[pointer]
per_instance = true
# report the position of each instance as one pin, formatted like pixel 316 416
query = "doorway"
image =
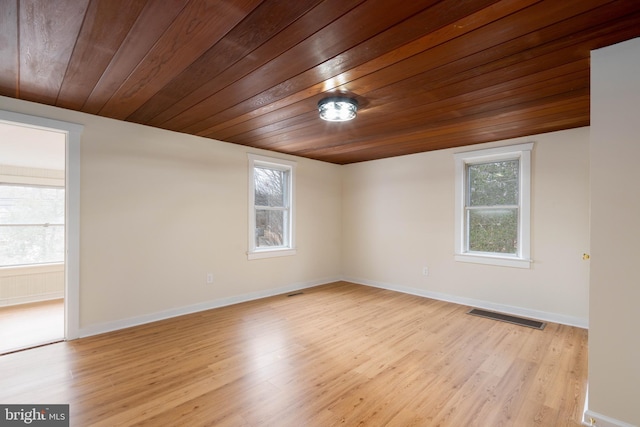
pixel 39 168
pixel 32 252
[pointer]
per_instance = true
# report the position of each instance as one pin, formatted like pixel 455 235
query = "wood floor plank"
pixel 335 355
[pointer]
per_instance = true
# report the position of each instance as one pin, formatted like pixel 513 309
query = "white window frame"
pixel 289 247
pixel 522 257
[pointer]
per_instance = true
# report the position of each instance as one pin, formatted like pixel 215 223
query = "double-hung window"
pixel 492 206
pixel 271 214
pixel 31 225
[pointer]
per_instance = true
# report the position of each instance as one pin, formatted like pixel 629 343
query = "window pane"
pixel 31 205
pixel 495 183
pixel 270 228
pixel 493 230
pixel 20 245
pixel 270 187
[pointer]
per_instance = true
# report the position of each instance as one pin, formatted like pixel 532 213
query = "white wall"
pixel 398 216
pixel 614 336
pixel 160 210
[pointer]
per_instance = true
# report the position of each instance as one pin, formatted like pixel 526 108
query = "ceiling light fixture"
pixel 337 109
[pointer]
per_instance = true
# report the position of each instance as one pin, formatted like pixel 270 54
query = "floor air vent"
pixel 507 318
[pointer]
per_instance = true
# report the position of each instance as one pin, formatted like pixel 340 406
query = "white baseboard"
pixel 594 419
pixel 487 305
pixel 6 302
pixel 180 311
pixel 222 302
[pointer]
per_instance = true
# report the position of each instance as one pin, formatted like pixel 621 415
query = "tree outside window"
pixel 493 207
pixel 271 206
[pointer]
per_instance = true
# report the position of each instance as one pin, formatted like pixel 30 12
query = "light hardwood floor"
pixel 337 355
pixel 29 325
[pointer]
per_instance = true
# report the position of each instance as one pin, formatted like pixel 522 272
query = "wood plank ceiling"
pixel 427 74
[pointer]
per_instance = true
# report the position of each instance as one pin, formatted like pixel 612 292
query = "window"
pixel 492 206
pixel 31 225
pixel 271 219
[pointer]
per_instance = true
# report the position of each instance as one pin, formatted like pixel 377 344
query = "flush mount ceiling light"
pixel 337 109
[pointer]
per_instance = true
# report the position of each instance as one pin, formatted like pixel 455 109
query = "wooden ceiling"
pixel 427 74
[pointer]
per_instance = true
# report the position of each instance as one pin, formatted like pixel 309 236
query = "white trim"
pixel 471 302
pixel 72 268
pixel 73 134
pixel 594 419
pixel 223 302
pixel 27 269
pixel 490 154
pixel 280 164
pixel 7 302
pixel 494 260
pixel 276 163
pixel 195 308
pixel 521 152
pixel 270 253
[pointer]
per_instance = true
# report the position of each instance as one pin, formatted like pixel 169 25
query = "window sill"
pixel 494 260
pixel 271 253
pixel 28 269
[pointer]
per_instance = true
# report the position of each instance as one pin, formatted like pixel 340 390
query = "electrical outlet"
pixel 209 278
pixel 425 271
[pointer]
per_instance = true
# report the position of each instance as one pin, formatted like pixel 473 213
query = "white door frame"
pixel 72 133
